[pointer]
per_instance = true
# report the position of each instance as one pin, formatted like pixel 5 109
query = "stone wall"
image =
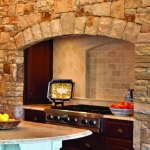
pixel 27 22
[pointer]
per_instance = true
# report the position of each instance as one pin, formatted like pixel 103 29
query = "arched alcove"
pixel 25 23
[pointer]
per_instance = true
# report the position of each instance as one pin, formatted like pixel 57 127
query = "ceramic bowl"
pixel 121 112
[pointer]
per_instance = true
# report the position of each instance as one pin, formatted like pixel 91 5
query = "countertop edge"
pixel 26 126
pixel 50 139
pixel 127 118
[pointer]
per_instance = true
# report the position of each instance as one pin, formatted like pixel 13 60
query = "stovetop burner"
pixel 85 108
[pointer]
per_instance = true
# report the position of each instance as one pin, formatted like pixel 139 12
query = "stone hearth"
pixel 27 22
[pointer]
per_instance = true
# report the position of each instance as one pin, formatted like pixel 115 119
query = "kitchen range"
pixel 83 116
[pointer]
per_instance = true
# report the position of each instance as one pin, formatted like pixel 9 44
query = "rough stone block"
pixel 133 3
pixel 142 108
pixel 136 134
pixel 145 3
pixel 5 37
pixel 22 23
pixel 142 59
pixel 67 23
pixel 79 25
pixel 11 10
pixel 19 40
pixel 20 9
pixel 142 65
pixel 141 82
pixel 117 9
pixel 101 9
pixel 142 18
pixel 104 24
pixel 36 32
pixel 56 29
pixel 143 38
pixel 142 49
pixel 91 25
pixel 116 28
pixel 28 36
pixel 62 6
pixel 131 28
pixel 46 29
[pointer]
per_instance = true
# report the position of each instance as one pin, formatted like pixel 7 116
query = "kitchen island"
pixel 30 135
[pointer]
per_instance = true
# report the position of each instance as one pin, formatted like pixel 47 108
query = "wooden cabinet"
pixel 118 134
pixel 34 115
pixel 92 142
pixel 38 71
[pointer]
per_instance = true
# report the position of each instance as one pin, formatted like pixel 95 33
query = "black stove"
pixel 83 116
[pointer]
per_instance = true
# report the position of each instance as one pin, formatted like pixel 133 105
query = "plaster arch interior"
pixel 102 67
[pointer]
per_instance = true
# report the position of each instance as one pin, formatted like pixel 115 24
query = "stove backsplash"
pixel 101 67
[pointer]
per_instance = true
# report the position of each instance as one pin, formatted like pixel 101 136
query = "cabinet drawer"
pixel 34 115
pixel 117 144
pixel 119 129
pixel 86 143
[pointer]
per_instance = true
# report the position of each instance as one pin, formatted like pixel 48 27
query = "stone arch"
pixel 25 23
pixel 86 25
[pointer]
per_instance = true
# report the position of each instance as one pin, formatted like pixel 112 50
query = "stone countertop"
pixel 43 106
pixel 127 118
pixel 40 107
pixel 31 132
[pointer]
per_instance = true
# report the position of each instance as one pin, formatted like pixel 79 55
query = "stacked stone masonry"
pixel 26 22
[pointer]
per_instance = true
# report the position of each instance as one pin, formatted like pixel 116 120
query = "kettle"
pixel 129 96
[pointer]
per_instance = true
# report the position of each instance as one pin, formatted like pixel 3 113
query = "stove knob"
pixel 92 122
pixel 74 120
pixel 66 119
pixel 84 121
pixel 50 117
pixel 57 118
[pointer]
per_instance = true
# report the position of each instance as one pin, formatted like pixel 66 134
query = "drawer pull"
pixel 120 131
pixel 34 119
pixel 87 145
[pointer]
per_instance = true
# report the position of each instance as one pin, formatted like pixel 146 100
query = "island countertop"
pixel 31 132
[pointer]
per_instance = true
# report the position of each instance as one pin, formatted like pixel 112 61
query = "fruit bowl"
pixel 121 112
pixel 10 124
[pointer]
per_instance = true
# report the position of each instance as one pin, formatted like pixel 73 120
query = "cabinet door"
pixel 118 144
pixel 120 129
pixel 38 72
